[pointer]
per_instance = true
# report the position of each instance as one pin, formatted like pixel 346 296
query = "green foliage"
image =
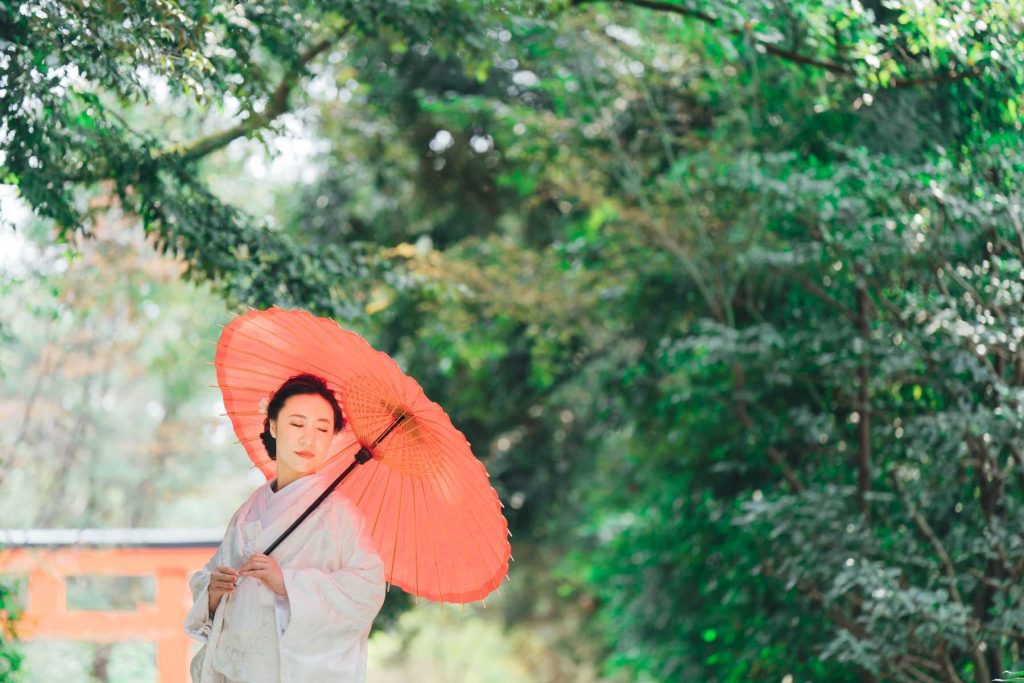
pixel 73 75
pixel 10 656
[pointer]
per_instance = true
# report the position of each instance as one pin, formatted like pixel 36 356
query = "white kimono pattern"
pixel 335 587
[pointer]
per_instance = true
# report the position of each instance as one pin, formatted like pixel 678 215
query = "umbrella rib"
pixel 331 459
pixel 328 343
pixel 373 477
pixel 274 333
pixel 290 355
pixel 456 568
pixel 311 327
pixel 258 356
pixel 415 545
pixel 464 464
pixel 433 546
pixel 398 523
pixel 499 552
pixel 256 324
pixel 441 473
pixel 462 580
pixel 383 498
pixel 467 465
pixel 387 432
pixel 233 387
pixel 376 519
pixel 219 366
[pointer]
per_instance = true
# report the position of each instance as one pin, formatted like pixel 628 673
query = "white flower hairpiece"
pixel 264 402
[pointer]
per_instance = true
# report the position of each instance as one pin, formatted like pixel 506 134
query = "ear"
pixel 273 428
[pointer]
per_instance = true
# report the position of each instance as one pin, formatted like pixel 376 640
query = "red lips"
pixel 304 454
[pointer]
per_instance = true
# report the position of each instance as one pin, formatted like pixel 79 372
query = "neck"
pixel 286 475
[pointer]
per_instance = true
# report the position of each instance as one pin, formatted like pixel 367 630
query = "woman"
pixel 305 613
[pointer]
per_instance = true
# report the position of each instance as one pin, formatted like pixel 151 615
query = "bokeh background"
pixel 726 296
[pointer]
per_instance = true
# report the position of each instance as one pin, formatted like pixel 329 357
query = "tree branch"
pixel 949 669
pixel 817 291
pixel 739 384
pixel 815 595
pixel 840 68
pixel 277 105
pixel 926 530
pixel 197 149
pixel 977 656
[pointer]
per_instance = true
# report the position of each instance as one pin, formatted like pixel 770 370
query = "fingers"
pixel 258 572
pixel 261 570
pixel 260 566
pixel 258 562
pixel 222 587
pixel 223 579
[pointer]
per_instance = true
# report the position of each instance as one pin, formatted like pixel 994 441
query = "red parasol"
pixel 429 507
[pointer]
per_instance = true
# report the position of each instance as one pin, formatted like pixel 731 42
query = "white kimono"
pixel 334 582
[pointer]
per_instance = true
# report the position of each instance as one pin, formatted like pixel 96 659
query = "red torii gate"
pixel 48 557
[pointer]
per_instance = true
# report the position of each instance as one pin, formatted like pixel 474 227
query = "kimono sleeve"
pixel 343 600
pixel 198 623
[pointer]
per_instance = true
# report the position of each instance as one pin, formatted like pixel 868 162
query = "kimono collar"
pixel 277 510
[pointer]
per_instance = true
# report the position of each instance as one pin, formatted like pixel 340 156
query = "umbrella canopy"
pixel 431 512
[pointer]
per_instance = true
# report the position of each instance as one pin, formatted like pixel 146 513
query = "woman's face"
pixel 303 431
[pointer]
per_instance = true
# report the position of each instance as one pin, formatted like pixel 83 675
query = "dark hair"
pixel 296 386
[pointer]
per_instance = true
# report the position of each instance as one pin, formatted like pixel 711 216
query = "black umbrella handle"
pixel 361 457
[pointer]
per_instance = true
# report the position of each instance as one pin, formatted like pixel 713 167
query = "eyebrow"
pixel 322 419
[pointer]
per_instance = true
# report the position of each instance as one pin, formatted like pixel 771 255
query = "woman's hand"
pixel 266 569
pixel 222 582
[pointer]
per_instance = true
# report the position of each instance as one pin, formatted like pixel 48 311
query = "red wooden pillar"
pixel 48 565
pixel 173 598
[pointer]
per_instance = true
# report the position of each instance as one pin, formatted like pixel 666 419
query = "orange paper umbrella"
pixel 431 512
